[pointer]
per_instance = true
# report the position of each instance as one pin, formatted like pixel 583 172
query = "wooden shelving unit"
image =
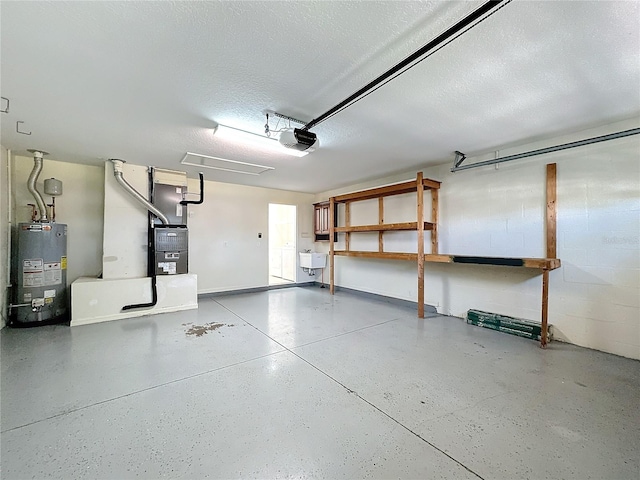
pixel 419 186
pixel 385 227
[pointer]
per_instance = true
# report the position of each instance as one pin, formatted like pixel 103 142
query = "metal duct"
pixel 33 178
pixel 117 172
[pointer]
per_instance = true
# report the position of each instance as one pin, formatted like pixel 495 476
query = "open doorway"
pixel 282 244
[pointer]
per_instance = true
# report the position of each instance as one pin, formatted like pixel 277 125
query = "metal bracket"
pixel 6 110
pixel 267 129
pixel 287 117
pixel 460 157
pixel 18 128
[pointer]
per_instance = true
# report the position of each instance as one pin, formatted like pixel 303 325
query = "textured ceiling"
pixel 146 81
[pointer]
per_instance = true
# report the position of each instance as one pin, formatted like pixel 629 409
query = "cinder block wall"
pixel 594 297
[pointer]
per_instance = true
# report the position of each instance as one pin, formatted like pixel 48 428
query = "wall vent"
pixel 226 165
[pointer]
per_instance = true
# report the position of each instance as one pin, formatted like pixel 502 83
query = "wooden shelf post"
pixel 347 223
pixel 380 222
pixel 551 241
pixel 434 220
pixel 545 308
pixel 551 210
pixel 420 214
pixel 332 205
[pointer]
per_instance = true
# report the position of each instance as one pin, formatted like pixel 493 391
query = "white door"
pixel 282 242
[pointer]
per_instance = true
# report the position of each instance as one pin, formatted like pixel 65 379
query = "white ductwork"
pixel 33 178
pixel 117 172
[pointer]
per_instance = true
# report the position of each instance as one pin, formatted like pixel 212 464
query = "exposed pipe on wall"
pixel 201 199
pixel 154 297
pixel 6 297
pixel 460 157
pixel 33 178
pixel 117 172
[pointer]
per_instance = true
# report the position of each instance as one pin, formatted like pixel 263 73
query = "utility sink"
pixel 313 260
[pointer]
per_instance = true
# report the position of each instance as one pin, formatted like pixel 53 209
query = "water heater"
pixel 39 274
pixel 39 260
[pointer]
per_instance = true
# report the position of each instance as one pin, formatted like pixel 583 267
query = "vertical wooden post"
pixel 347 223
pixel 551 240
pixel 434 220
pixel 420 215
pixel 332 205
pixel 545 307
pixel 380 222
pixel 551 211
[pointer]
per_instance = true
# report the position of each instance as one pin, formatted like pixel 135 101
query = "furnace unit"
pixel 172 250
pixel 170 240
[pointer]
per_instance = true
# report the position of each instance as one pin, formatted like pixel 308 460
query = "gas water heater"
pixel 39 260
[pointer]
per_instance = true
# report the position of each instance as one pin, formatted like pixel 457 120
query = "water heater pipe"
pixel 9 199
pixel 117 172
pixel 33 178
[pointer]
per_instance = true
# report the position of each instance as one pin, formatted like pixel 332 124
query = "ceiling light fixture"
pixel 223 164
pixel 253 139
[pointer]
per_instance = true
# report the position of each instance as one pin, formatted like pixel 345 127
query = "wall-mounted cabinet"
pixel 321 226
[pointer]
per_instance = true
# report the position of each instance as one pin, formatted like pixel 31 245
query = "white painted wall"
pixel 80 207
pixel 224 249
pixel 125 225
pixel 4 233
pixel 594 298
pixel 96 300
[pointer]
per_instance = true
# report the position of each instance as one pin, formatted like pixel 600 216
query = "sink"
pixel 313 260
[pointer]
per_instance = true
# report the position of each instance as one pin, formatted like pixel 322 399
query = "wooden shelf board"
pixel 539 263
pixel 395 189
pixel 428 183
pixel 386 255
pixel 384 227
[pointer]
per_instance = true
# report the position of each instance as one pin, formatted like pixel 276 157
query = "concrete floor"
pixel 278 281
pixel 296 383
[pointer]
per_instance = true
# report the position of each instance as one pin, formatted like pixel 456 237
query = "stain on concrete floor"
pixel 199 330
